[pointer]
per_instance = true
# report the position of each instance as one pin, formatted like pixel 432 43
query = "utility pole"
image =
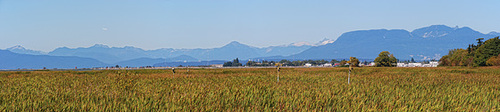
pixel 349 77
pixel 278 70
pixel 173 71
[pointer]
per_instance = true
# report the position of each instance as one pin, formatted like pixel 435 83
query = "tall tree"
pixel 235 62
pixel 480 41
pixel 490 48
pixel 385 59
pixel 353 61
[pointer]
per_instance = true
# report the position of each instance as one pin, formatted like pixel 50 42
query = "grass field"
pixel 299 89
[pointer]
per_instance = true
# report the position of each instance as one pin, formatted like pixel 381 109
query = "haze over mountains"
pixel 425 43
pixel 232 50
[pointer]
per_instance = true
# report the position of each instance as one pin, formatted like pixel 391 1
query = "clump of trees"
pixel 385 59
pixel 235 63
pixel 483 54
pixel 457 57
pixel 285 62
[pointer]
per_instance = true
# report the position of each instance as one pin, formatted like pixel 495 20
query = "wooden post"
pixel 173 71
pixel 351 59
pixel 349 77
pixel 278 71
pixel 278 74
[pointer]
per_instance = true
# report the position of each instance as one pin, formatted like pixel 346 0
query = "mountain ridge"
pixel 424 43
pixel 11 60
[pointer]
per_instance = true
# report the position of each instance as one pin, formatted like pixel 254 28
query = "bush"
pixel 493 61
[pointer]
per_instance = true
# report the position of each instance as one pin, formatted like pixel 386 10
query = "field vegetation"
pixel 256 89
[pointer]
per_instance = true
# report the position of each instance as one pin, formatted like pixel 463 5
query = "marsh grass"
pixel 256 89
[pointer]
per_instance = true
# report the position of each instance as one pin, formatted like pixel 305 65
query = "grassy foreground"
pixel 306 89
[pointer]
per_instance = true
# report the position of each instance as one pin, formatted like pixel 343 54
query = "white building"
pixel 308 65
pixel 434 63
pixel 414 64
pixel 431 64
pixel 327 65
pixel 402 65
pixel 371 64
pixel 217 65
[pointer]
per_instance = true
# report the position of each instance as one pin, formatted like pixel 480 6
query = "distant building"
pixel 371 64
pixel 414 64
pixel 327 65
pixel 308 65
pixel 402 65
pixel 434 63
pixel 431 64
pixel 217 65
pixel 367 64
pixel 336 64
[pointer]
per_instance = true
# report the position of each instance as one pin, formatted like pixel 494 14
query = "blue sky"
pixel 152 24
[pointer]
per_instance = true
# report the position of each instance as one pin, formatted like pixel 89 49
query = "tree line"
pixel 283 62
pixel 385 59
pixel 485 53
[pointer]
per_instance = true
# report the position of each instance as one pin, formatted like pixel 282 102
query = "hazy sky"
pixel 152 24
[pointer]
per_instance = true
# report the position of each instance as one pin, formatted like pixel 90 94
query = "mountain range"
pixel 422 44
pixel 11 60
pixel 232 50
pixel 425 43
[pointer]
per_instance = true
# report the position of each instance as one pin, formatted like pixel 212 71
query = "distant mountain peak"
pixel 99 46
pixel 433 31
pixel 298 44
pixel 440 27
pixel 17 47
pixel 494 33
pixel 235 44
pixel 21 50
pixel 324 42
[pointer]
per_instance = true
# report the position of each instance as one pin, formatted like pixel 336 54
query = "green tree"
pixel 285 62
pixel 251 63
pixel 444 61
pixel 354 62
pixel 343 62
pixel 385 59
pixel 334 61
pixel 228 64
pixel 457 57
pixel 235 62
pixel 488 49
pixel 493 61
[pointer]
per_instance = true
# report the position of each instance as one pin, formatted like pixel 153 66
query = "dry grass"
pixel 256 89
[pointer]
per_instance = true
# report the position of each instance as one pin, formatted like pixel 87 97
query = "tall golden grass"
pixel 255 89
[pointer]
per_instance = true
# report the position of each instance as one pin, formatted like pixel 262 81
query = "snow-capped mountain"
pixel 21 50
pixel 301 44
pixel 322 42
